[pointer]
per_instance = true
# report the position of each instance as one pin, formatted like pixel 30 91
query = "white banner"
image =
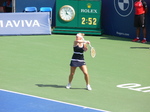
pixel 33 23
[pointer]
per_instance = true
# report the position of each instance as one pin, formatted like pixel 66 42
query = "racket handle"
pixel 90 45
pixel 85 41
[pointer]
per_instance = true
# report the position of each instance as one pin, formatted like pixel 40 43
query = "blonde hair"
pixel 80 35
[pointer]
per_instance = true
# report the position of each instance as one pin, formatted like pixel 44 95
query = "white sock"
pixel 88 85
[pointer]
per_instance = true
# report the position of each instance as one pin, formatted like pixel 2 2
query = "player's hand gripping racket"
pixel 93 51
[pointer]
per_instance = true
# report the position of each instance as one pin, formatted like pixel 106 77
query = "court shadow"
pixel 50 85
pixel 55 86
pixel 78 88
pixel 139 47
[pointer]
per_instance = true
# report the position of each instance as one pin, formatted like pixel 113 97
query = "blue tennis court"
pixel 18 102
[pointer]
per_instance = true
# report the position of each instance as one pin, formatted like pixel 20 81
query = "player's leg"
pixel 86 76
pixel 85 72
pixel 72 72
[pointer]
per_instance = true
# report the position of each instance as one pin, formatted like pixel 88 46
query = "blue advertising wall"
pixel 117 15
pixel 118 18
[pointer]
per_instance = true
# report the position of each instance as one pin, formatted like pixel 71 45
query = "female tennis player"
pixel 78 60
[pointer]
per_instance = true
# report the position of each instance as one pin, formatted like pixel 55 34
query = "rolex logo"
pixel 89 5
pixel 89 10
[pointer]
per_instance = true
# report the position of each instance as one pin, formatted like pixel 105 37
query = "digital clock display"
pixel 91 21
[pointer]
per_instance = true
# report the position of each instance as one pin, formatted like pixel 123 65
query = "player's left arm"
pixel 85 47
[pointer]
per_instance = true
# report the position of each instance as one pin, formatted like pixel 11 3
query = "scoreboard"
pixel 73 16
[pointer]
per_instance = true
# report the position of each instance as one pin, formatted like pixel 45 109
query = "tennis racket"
pixel 93 51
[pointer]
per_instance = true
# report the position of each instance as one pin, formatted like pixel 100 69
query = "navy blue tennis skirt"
pixel 77 63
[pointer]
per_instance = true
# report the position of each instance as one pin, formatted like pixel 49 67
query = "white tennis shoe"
pixel 68 86
pixel 88 87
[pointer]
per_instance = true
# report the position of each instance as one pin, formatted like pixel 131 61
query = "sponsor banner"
pixel 25 23
pixel 118 18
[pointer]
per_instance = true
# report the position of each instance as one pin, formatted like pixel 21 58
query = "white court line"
pixel 53 100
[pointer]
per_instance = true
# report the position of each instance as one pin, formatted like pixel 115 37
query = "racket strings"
pixel 93 52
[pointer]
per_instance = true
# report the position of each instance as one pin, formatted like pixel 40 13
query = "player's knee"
pixel 71 74
pixel 85 73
